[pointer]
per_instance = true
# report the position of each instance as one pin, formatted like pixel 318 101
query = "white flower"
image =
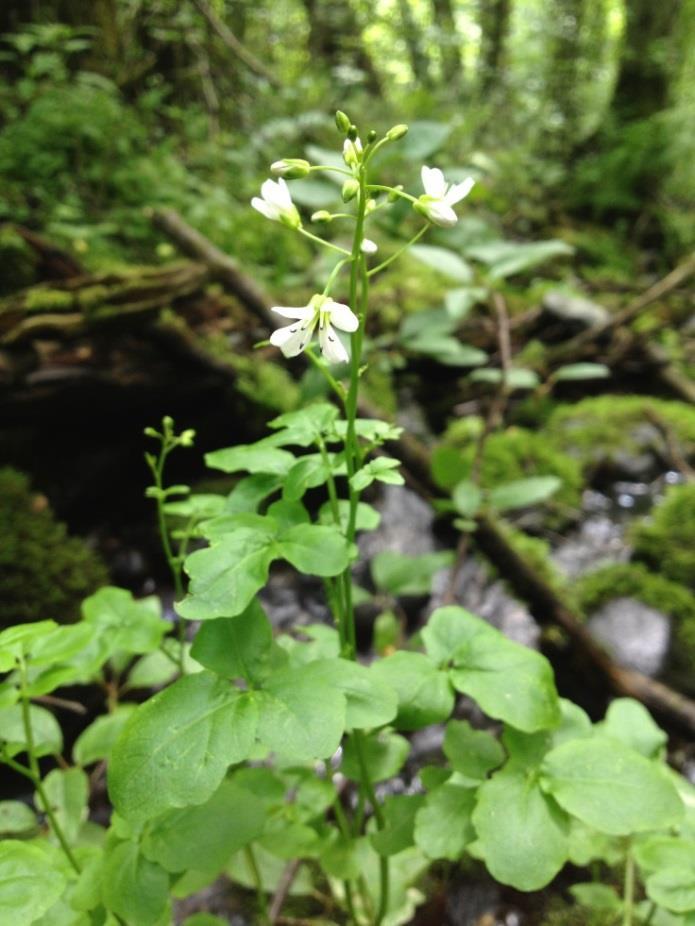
pixel 439 198
pixel 352 152
pixel 293 339
pixel 369 247
pixel 277 204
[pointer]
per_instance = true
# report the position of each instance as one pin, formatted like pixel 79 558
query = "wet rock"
pixel 575 312
pixel 406 525
pixel 599 541
pixel 291 599
pixel 473 903
pixel 636 635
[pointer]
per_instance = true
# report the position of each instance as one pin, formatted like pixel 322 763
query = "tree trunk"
pixel 449 40
pixel 335 37
pixel 494 18
pixel 563 71
pixel 419 61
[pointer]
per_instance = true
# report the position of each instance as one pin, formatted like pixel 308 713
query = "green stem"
pixel 390 260
pixel 326 244
pixel 629 888
pixel 335 170
pixel 368 787
pixel 334 273
pixel 257 880
pixel 325 372
pixel 36 771
pixel 389 189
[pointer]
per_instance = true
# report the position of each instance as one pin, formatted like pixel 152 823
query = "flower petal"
pixel 459 191
pixel 262 206
pixel 369 246
pixel 331 346
pixel 440 213
pixel 288 311
pixel 341 315
pixel 284 197
pixel 433 181
pixel 292 339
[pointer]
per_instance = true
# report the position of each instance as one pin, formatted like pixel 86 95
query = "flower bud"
pixel 398 131
pixel 342 122
pixel 352 132
pixel 187 437
pixel 371 136
pixel 291 168
pixel 150 432
pixel 323 215
pixel 368 246
pixel 370 206
pixel 352 152
pixel 350 189
pixel 393 196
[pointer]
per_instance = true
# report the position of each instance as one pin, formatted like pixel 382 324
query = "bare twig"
pixel 63 703
pixel 233 44
pixel 284 884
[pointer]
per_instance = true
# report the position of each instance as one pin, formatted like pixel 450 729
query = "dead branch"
pixel 233 44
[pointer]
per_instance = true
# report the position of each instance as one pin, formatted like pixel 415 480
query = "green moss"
pixel 265 383
pixel 517 454
pixel 634 580
pixel 44 573
pixel 666 540
pixel 560 913
pixel 17 261
pixel 536 552
pixel 49 300
pixel 599 429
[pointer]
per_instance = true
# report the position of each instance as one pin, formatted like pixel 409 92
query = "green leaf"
pixel 459 302
pixel 611 787
pixel 399 574
pixel 176 748
pixel 250 491
pixel 597 897
pixel 510 682
pixel 425 695
pixel 506 258
pixel 315 550
pixel 383 469
pixel 19 641
pixel 522 834
pixel 308 472
pixel 226 576
pixel 96 742
pixel 129 625
pixel 630 722
pixel 132 887
pixel 384 755
pixel 236 647
pixel 657 853
pixel 29 884
pixel 524 492
pixel 153 670
pixel 443 827
pixel 261 457
pixel 197 507
pixel 367 519
pixel 48 739
pixel 450 627
pixel 17 819
pixel 467 498
pixel 399 814
pixel 674 888
pixel 205 837
pixel 448 350
pixel 314 194
pixel 370 701
pixel 299 714
pixel 67 791
pixel 472 753
pixel 444 261
pixel 580 371
pixel 305 426
pixel 425 136
pixel 516 378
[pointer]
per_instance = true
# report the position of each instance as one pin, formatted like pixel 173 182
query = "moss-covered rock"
pixel 634 580
pixel 610 428
pixel 666 539
pixel 560 913
pixel 17 261
pixel 536 552
pixel 44 573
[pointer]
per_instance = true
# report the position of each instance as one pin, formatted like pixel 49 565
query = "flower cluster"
pixel 275 203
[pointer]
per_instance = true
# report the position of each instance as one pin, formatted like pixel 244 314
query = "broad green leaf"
pixel 130 625
pixel 153 670
pixel 17 819
pixel 467 498
pixel 236 647
pixel 384 754
pixel 19 640
pixel 48 739
pixel 580 371
pixel 367 519
pixel 522 833
pixel 444 261
pixel 196 507
pixel 516 378
pixel 509 681
pixel 176 748
pixel 261 457
pixel 399 814
pixel 271 869
pixel 674 888
pixel 574 723
pixel 472 753
pixel 305 426
pixel 29 884
pixel 339 855
pixel 205 837
pixel 611 787
pixel 96 742
pixel 450 627
pixel 597 896
pixel 308 472
pixel 425 136
pixel 448 350
pixel 417 325
pixel 315 550
pixel 524 492
pixel 314 194
pixel 443 827
pixel 658 853
pixel 399 574
pixel 448 467
pixel 370 701
pixel 323 643
pixel 373 430
pixel 382 469
pixel 459 302
pixel 67 791
pixel 425 695
pixel 250 491
pixel 226 576
pixel 132 887
pixel 630 722
pixel 506 258
pixel 299 714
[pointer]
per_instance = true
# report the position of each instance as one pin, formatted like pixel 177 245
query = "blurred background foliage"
pixel 573 114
